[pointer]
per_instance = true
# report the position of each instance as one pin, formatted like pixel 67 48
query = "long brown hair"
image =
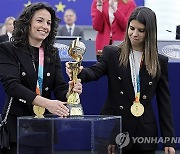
pixel 147 17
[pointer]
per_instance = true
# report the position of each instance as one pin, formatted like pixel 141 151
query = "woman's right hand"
pixel 58 108
pixel 53 106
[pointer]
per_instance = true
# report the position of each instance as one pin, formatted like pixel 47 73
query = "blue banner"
pixel 81 7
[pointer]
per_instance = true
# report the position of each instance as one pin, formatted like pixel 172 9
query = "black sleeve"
pixel 164 104
pixel 94 72
pixel 10 74
pixel 60 86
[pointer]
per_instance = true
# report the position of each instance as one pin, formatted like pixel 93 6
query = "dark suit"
pixel 178 32
pixel 19 79
pixel 121 96
pixel 77 32
pixel 4 38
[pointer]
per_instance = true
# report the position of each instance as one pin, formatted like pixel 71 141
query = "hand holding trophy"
pixel 76 51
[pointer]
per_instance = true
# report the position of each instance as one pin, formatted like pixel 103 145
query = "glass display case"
pixel 72 135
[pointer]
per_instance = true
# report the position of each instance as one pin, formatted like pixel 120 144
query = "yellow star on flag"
pixel 27 4
pixel 60 7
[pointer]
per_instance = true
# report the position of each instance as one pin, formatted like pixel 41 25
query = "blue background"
pixel 81 7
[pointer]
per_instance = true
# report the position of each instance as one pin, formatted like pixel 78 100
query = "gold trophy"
pixel 76 51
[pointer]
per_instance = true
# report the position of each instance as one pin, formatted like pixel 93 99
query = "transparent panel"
pixel 77 134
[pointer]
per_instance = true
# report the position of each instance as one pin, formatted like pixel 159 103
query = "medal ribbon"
pixel 40 72
pixel 135 78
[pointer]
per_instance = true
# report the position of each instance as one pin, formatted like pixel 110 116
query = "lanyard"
pixel 40 72
pixel 135 77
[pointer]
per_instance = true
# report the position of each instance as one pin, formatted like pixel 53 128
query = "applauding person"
pixel 109 19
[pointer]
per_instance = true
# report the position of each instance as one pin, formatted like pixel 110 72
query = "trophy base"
pixel 75 109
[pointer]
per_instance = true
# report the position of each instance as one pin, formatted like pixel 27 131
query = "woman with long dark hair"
pixel 136 73
pixel 30 69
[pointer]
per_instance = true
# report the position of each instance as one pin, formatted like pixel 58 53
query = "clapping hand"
pixel 112 4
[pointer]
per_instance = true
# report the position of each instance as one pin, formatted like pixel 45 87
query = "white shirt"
pixel 72 28
pixel 9 35
pixel 137 60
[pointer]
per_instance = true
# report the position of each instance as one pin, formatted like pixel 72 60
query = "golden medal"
pixel 39 111
pixel 137 109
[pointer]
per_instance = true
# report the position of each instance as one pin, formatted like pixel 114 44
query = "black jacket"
pixel 4 38
pixel 121 96
pixel 19 79
pixel 77 32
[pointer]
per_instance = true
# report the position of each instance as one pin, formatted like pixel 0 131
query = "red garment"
pixel 101 23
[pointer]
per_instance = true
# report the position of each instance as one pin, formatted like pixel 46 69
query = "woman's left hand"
pixel 77 87
pixel 169 150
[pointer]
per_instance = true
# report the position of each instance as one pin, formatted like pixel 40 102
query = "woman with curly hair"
pixel 30 69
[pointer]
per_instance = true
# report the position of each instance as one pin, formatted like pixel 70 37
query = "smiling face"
pixel 40 27
pixel 136 34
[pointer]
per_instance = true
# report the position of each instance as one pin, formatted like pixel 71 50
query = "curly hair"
pixel 22 23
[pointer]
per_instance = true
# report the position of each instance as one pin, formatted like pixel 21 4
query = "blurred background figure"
pixel 70 29
pixel 178 32
pixel 3 30
pixel 7 28
pixel 109 19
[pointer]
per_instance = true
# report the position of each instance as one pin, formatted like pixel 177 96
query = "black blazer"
pixel 19 79
pixel 178 32
pixel 4 38
pixel 77 32
pixel 121 96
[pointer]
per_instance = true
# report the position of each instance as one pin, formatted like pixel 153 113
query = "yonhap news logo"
pixel 123 139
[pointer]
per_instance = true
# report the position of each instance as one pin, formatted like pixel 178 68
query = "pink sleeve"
pixel 122 17
pixel 97 17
